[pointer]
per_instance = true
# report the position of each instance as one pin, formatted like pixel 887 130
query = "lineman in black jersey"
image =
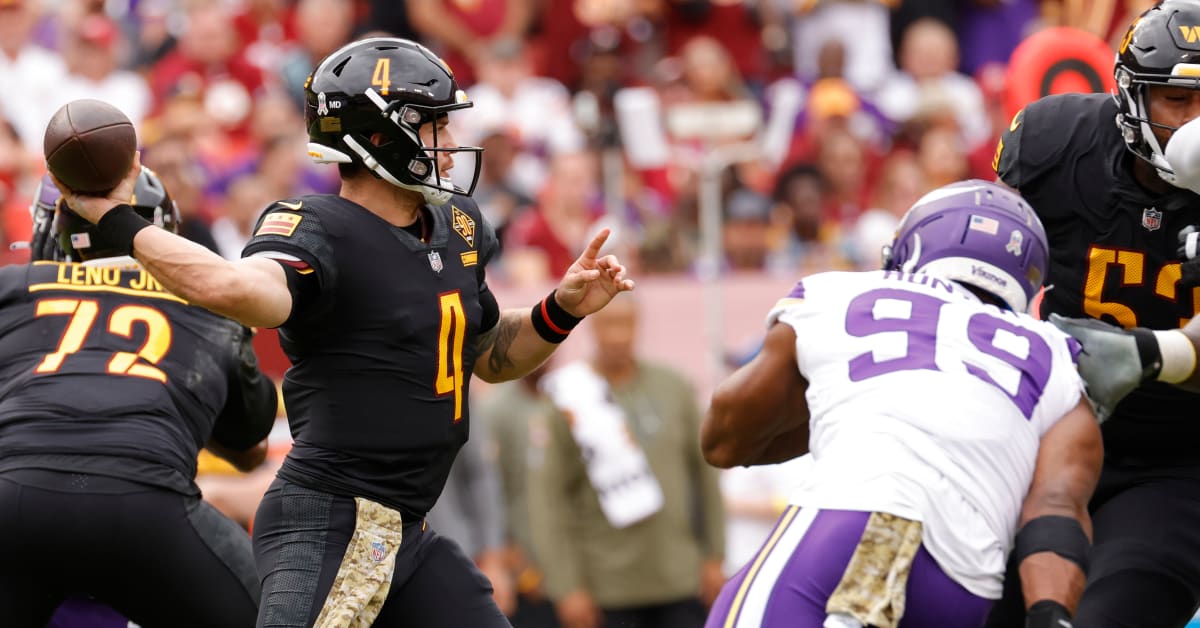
pixel 1105 193
pixel 109 386
pixel 380 297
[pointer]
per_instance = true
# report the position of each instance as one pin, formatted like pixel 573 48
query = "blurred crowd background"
pixel 733 145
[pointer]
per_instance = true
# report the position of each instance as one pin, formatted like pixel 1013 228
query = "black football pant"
pixel 317 552
pixel 158 557
pixel 1145 562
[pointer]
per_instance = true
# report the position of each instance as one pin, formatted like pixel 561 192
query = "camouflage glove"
pixel 1114 361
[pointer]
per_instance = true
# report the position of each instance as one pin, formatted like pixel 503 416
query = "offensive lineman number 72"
pixel 83 314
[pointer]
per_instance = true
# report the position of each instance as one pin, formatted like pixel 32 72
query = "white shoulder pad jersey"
pixel 928 404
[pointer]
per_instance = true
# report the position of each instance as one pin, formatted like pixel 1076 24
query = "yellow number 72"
pixel 83 314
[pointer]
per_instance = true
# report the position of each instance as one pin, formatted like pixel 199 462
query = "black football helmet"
pixel 79 240
pixel 390 86
pixel 1161 47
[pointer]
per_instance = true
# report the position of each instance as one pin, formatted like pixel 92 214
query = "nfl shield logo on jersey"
pixel 435 261
pixel 378 551
pixel 1151 219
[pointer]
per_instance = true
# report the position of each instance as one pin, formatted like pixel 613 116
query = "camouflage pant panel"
pixel 873 585
pixel 365 575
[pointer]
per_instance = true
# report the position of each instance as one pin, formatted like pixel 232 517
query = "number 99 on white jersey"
pixel 927 403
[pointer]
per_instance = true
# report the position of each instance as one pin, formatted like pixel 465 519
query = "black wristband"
pixel 1148 351
pixel 1054 533
pixel 1047 614
pixel 118 226
pixel 551 321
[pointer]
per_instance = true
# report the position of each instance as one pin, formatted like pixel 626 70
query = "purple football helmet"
pixel 977 233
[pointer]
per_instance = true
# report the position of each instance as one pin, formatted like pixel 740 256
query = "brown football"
pixel 89 146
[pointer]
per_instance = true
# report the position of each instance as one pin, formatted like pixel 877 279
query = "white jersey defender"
pixel 991 383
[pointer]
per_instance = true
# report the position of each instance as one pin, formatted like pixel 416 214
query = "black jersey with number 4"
pixel 382 338
pixel 104 372
pixel 1112 251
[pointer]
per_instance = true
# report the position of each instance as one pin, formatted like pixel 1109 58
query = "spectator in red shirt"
pixel 544 242
pixel 209 62
pixel 265 29
pixel 464 29
pixel 733 23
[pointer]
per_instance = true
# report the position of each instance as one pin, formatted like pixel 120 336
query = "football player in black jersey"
pixel 1094 167
pixel 380 296
pixel 109 386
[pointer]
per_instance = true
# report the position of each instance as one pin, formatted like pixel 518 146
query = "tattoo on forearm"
pixel 500 339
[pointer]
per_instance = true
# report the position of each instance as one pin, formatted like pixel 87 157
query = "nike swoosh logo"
pixel 292 206
pixel 1016 122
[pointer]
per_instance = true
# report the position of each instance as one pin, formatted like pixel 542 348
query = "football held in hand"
pixel 89 146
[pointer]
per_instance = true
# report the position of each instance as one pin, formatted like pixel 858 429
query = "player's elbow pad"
pixel 1052 533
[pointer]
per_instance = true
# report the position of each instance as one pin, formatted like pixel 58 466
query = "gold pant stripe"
pixel 365 574
pixel 738 599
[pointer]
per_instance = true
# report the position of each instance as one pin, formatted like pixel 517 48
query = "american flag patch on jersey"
pixel 279 223
pixel 983 223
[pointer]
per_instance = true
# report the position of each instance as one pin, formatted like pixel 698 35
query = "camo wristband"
pixel 551 321
pixel 119 225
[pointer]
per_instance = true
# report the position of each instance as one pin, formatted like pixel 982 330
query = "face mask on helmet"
pixel 1162 47
pixel 43 245
pixel 80 240
pixel 976 233
pixel 387 88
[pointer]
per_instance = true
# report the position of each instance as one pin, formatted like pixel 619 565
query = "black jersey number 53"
pixel 1133 273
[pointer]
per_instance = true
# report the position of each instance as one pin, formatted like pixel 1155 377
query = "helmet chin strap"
pixel 1157 159
pixel 433 195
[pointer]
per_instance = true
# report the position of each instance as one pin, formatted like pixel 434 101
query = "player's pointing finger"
pixel 593 248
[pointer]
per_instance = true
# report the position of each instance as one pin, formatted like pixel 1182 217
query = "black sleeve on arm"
pixel 1006 161
pixel 251 404
pixel 491 309
pixel 1046 132
pixel 292 234
pixel 489 245
pixel 306 292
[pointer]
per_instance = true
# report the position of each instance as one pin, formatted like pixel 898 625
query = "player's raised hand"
pixel 592 281
pixel 92 208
